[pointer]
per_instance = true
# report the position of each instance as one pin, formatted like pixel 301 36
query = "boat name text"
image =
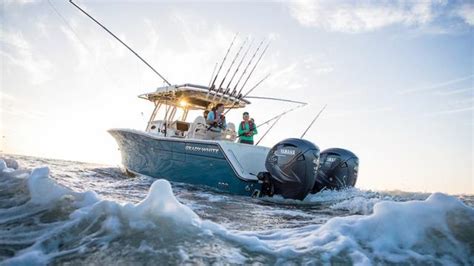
pixel 201 149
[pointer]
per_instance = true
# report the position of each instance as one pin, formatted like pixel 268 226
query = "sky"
pixel 397 78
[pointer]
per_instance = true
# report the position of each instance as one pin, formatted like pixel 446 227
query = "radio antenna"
pixel 124 44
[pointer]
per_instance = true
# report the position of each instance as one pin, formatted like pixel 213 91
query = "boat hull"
pixel 181 160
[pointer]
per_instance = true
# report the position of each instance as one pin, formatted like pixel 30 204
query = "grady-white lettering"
pixel 201 149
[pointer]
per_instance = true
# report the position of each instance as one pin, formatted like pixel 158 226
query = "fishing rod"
pixel 240 63
pixel 218 71
pixel 237 70
pixel 238 94
pixel 281 114
pixel 268 130
pixel 278 116
pixel 251 72
pixel 212 75
pixel 273 99
pixel 225 57
pixel 118 39
pixel 69 26
pixel 312 122
pixel 245 69
pixel 231 65
pixel 238 99
pixel 219 89
pixel 255 86
pixel 209 90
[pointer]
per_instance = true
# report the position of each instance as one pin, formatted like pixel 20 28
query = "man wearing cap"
pixel 247 129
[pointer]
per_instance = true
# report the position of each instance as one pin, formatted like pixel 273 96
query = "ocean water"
pixel 64 212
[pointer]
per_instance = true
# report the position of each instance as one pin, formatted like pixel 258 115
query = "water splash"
pixel 43 221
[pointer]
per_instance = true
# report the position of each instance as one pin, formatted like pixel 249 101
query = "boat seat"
pixel 198 129
pixel 182 125
pixel 229 134
pixel 180 128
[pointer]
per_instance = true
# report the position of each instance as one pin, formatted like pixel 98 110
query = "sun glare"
pixel 183 103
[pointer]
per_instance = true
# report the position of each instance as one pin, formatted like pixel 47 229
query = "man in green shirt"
pixel 247 129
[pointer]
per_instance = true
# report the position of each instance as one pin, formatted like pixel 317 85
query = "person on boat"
pixel 247 129
pixel 216 121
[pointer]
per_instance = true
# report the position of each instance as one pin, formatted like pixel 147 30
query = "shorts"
pixel 243 141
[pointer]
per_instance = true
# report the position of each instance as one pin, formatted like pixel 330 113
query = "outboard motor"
pixel 338 169
pixel 292 166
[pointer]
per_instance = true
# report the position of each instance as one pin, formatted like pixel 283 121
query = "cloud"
pixel 453 111
pixel 366 16
pixel 359 112
pixel 180 64
pixel 451 91
pixel 466 12
pixel 14 39
pixel 456 91
pixel 7 98
pixel 42 28
pixel 82 51
pixel 20 2
pixel 18 51
pixel 438 85
pixel 92 48
pixel 12 106
pixel 294 73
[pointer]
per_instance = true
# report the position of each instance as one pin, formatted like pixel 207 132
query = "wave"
pixel 43 222
pixel 436 230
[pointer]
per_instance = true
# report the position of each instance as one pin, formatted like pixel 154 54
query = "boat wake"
pixel 43 222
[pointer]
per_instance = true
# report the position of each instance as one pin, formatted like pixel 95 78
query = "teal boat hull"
pixel 182 160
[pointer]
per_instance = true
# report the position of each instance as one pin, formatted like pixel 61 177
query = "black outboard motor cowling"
pixel 292 166
pixel 338 169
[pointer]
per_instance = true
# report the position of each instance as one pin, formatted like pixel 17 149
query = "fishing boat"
pixel 179 150
pixel 175 149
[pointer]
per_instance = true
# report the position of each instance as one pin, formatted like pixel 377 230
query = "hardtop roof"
pixel 195 97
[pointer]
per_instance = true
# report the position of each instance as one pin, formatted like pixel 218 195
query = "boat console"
pixel 196 130
pixel 183 99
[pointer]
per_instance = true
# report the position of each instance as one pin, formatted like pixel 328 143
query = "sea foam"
pixel 160 208
pixel 396 232
pixel 437 230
